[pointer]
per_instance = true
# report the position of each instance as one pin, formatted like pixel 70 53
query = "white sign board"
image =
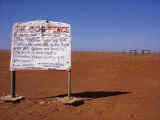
pixel 41 45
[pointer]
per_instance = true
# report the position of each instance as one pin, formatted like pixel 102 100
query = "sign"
pixel 41 45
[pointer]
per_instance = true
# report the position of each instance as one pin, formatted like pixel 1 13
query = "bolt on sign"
pixel 41 45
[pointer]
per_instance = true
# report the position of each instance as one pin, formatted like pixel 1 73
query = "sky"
pixel 97 25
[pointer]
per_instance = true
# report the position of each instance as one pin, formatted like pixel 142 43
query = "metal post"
pixel 69 83
pixel 13 75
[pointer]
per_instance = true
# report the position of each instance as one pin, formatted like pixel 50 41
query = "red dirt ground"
pixel 114 86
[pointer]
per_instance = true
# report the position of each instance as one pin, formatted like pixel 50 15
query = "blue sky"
pixel 110 25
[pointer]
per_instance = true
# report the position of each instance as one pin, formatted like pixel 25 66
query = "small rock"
pixel 42 102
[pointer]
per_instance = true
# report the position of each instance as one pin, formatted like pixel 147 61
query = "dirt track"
pixel 114 86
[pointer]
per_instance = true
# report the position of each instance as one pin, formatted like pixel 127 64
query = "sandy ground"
pixel 113 86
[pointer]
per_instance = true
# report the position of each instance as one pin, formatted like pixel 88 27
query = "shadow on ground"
pixel 90 95
pixel 95 94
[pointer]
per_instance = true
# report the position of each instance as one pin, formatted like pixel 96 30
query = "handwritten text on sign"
pixel 41 45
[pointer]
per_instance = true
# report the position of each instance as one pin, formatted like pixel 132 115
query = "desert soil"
pixel 112 86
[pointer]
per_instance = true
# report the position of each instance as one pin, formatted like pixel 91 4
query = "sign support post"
pixel 13 75
pixel 69 83
pixel 13 97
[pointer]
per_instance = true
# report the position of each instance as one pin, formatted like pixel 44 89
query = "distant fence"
pixel 142 52
pixel 132 52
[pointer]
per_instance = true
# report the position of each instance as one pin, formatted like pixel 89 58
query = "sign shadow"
pixel 90 95
pixel 95 94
